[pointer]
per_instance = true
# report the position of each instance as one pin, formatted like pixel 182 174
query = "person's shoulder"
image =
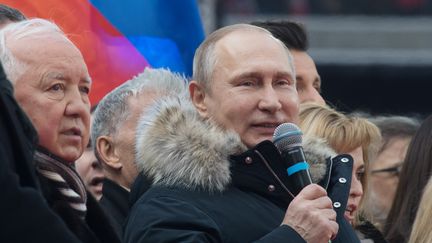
pixel 164 193
pixel 180 200
pixel 171 208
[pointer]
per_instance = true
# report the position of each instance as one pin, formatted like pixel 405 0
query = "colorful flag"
pixel 120 38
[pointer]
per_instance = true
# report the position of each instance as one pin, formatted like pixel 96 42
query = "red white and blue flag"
pixel 120 38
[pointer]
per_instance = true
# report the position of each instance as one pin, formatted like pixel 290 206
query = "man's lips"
pixel 267 124
pixel 75 131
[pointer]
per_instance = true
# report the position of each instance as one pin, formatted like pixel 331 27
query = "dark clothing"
pixel 253 178
pixel 172 214
pixel 115 203
pixel 368 233
pixel 29 209
pixel 95 228
pixel 140 185
pixel 200 194
pixel 25 215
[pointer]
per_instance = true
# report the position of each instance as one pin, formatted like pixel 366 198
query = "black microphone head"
pixel 287 135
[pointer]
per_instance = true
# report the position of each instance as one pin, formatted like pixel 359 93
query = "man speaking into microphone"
pixel 215 174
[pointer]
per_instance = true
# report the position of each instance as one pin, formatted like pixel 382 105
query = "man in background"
pixel 113 134
pixel 397 132
pixel 294 36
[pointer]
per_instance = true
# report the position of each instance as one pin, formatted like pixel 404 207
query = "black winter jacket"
pixel 115 203
pixel 95 228
pixel 25 215
pixel 200 193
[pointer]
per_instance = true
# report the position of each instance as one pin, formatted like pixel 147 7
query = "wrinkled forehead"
pixel 44 45
pixel 52 49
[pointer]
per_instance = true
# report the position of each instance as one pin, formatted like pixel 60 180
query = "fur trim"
pixel 173 125
pixel 317 151
pixel 176 147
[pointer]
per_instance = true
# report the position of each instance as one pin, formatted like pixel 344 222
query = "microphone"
pixel 288 139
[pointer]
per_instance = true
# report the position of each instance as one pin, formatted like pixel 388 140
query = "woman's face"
pixel 356 190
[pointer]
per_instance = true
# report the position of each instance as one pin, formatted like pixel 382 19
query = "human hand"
pixel 311 215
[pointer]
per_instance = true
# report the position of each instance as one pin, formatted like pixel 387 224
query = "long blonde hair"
pixel 421 230
pixel 343 133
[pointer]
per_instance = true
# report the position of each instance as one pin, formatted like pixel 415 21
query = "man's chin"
pixel 70 154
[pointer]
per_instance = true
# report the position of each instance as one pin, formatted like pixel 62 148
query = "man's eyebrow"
pixel 254 74
pixel 56 75
pixel 61 76
pixel 251 74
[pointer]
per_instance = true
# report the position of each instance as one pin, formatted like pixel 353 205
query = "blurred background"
pixel 372 55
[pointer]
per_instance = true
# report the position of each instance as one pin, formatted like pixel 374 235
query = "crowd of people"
pixel 164 158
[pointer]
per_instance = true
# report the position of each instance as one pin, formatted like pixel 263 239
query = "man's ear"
pixel 197 95
pixel 107 152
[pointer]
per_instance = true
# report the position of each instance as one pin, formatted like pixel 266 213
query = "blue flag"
pixel 165 32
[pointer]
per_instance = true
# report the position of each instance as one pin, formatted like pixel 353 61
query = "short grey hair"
pixel 113 109
pixel 205 57
pixel 32 28
pixel 395 127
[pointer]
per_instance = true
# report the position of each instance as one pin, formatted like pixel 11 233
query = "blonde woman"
pixel 345 134
pixel 421 230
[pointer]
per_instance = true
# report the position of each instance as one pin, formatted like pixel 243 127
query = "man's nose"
pixel 77 105
pixel 269 100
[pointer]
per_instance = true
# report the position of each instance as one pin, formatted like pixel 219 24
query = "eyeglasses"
pixel 392 170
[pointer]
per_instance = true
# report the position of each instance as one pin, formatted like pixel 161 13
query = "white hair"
pixel 32 28
pixel 113 109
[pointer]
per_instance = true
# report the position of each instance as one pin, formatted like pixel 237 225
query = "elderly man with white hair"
pixel 52 84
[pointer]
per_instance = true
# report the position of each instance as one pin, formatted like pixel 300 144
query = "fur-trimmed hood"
pixel 175 146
